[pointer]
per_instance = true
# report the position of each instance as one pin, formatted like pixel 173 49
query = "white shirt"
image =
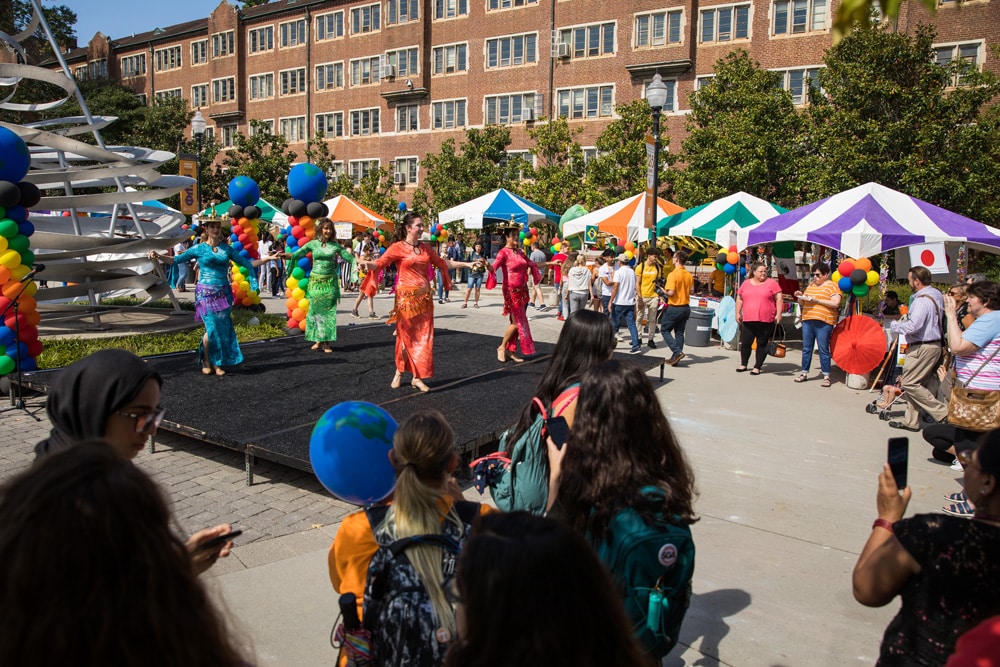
pixel 625 277
pixel 580 278
pixel 605 271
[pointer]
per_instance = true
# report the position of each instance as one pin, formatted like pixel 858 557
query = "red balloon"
pixel 22 321
pixel 28 334
pixel 292 323
pixel 237 229
pixel 298 232
pixel 845 268
pixel 35 348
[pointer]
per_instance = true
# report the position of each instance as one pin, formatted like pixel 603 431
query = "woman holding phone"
pixel 944 568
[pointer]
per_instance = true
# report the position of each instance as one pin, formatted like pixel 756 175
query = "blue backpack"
pixel 652 565
pixel 523 484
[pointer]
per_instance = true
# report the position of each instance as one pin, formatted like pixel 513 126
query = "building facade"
pixel 386 81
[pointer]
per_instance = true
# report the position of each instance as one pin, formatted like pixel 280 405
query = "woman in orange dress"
pixel 414 311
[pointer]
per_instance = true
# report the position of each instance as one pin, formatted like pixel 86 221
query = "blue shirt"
pixel 923 322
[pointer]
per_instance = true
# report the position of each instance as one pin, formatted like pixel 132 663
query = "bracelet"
pixel 882 523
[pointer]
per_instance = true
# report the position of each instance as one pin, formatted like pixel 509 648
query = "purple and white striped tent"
pixel 871 219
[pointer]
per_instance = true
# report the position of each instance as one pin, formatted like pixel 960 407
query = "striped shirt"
pixel 984 332
pixel 814 311
pixel 923 322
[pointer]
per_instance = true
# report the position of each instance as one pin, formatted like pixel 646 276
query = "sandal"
pixel 219 371
pixel 755 371
pixel 475 305
pixel 315 347
pixel 802 377
pixel 742 369
pixel 826 382
pixel 396 380
pixel 465 305
pixel 326 348
pixel 419 384
pixel 501 355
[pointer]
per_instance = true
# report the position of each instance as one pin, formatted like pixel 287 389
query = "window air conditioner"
pixel 528 115
pixel 388 71
pixel 562 50
pixel 399 178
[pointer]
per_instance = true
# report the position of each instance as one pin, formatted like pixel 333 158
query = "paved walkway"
pixel 786 474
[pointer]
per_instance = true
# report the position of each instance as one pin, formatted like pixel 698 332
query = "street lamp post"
pixel 656 96
pixel 198 130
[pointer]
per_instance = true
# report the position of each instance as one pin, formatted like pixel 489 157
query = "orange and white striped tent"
pixel 344 209
pixel 625 220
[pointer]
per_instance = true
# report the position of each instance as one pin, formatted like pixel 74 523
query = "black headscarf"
pixel 83 396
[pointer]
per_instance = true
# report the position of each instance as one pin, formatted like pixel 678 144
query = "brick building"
pixel 387 81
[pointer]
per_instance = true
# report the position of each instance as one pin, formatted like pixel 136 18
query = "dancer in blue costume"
pixel 213 296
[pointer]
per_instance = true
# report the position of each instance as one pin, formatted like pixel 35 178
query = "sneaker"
pixel 440 300
pixel 635 350
pixel 652 345
pixel 543 308
pixel 531 304
pixel 676 358
pixel 560 319
pixel 957 465
pixel 372 316
pixel 957 497
pixel 963 509
pixel 355 314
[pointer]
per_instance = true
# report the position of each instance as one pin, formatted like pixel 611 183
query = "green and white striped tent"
pixel 717 221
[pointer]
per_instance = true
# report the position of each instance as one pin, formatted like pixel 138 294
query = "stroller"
pixel 890 377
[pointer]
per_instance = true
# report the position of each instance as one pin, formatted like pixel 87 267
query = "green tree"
pixel 619 170
pixel 558 179
pixel 480 165
pixel 744 135
pixel 376 191
pixel 262 156
pixel 889 113
pixel 15 15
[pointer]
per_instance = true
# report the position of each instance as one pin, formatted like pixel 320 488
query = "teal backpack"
pixel 523 484
pixel 652 566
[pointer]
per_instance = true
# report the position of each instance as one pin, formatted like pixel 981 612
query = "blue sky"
pixel 121 18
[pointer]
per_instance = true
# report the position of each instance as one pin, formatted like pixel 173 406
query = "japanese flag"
pixel 930 255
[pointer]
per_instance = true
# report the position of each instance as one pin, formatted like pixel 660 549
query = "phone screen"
pixel 216 542
pixel 898 454
pixel 558 430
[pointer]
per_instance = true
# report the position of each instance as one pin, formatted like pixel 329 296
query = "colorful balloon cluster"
pixel 556 245
pixel 528 235
pixel 244 227
pixel 730 262
pixel 18 335
pixel 855 276
pixel 439 233
pixel 628 249
pixel 307 186
pixel 380 238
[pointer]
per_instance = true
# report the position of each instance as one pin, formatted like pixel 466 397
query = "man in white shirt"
pixel 539 257
pixel 605 273
pixel 623 301
pixel 264 250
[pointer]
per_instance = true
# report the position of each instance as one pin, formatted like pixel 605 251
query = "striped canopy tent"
pixel 497 206
pixel 344 209
pixel 268 212
pixel 872 219
pixel 718 221
pixel 625 220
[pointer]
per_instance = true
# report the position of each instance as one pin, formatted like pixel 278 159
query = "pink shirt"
pixel 515 267
pixel 758 300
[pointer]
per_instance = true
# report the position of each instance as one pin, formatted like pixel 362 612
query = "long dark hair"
pixel 92 574
pixel 620 442
pixel 534 594
pixel 400 232
pixel 586 339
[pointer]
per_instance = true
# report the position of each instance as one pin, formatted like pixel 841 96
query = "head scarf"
pixel 83 395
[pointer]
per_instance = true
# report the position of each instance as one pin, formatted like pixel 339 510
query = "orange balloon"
pixel 27 304
pixel 247 301
pixel 291 304
pixel 33 318
pixel 864 264
pixel 302 325
pixel 4 273
pixel 298 314
pixel 11 289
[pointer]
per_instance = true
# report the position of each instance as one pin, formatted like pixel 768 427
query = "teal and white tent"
pixel 718 220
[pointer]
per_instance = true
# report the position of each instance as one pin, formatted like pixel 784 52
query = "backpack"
pixel 652 566
pixel 524 483
pixel 397 608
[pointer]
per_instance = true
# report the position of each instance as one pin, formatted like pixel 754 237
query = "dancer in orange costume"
pixel 414 311
pixel 515 266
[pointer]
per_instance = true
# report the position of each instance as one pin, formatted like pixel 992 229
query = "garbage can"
pixel 698 331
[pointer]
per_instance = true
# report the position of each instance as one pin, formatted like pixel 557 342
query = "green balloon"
pixel 6 365
pixel 8 228
pixel 28 258
pixel 304 283
pixel 298 273
pixel 18 242
pixel 860 290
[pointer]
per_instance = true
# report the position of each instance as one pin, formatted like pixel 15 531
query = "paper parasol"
pixel 858 344
pixel 728 326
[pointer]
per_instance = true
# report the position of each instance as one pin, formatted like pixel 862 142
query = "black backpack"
pixel 397 608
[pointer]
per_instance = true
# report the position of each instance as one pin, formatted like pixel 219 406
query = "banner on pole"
pixel 187 166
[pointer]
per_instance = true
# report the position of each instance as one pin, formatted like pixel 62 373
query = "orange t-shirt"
pixel 680 281
pixel 814 311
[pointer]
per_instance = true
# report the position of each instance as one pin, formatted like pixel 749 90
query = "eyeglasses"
pixel 818 275
pixel 144 418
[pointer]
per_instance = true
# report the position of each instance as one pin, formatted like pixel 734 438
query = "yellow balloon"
pixel 10 258
pixel 872 279
pixel 31 288
pixel 836 276
pixel 629 255
pixel 527 241
pixel 291 283
pixel 304 304
pixel 298 293
pixel 3 243
pixel 19 271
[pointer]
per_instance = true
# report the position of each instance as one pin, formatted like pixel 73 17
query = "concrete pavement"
pixel 786 474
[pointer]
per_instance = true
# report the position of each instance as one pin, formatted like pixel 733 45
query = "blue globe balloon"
pixel 845 284
pixel 25 228
pixel 14 157
pixel 349 452
pixel 402 206
pixel 244 191
pixel 307 182
pixel 305 263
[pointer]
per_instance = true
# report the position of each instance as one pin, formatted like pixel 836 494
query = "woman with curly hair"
pixel 92 574
pixel 621 459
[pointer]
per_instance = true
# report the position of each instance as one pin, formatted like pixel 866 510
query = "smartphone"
pixel 898 454
pixel 558 430
pixel 216 542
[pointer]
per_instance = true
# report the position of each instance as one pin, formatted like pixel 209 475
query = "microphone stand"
pixel 18 402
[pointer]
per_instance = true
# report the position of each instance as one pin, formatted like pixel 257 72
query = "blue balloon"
pixel 28 364
pixel 845 284
pixel 244 191
pixel 307 182
pixel 402 206
pixel 17 213
pixel 729 268
pixel 14 157
pixel 743 272
pixel 245 254
pixel 304 262
pixel 237 245
pixel 6 336
pixel 14 348
pixel 349 452
pixel 25 228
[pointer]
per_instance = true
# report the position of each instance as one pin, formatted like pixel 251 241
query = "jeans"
pixel 440 280
pixel 475 280
pixel 182 275
pixel 674 320
pixel 559 297
pixel 818 332
pixel 606 302
pixel 628 311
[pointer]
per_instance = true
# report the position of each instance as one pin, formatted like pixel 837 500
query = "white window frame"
pixel 408 166
pixel 292 81
pixel 293 128
pixel 496 45
pixel 133 66
pixel 330 117
pixel 168 58
pixel 447 10
pixel 572 36
pixel 374 16
pixel 409 54
pixel 292 34
pixel 323 73
pixel 359 66
pixel 269 122
pixel 393 15
pixel 956 53
pixel 167 94
pixel 734 14
pixel 223 44
pixel 459 55
pixel 358 169
pixel 227 134
pixel 523 103
pixel 673 20
pixel 786 13
pixel 407 118
pixel 458 109
pixel 370 117
pixel 199 95
pixel 260 39
pixel 219 94
pixel 604 108
pixel 255 83
pixel 326 34
pixel 504 5
pixel 790 81
pixel 199 52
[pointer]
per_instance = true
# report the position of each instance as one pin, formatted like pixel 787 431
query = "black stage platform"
pixel 267 406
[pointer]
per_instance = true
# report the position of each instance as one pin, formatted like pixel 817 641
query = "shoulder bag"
pixel 776 346
pixel 974 409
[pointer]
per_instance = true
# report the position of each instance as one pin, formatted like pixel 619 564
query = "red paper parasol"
pixel 858 344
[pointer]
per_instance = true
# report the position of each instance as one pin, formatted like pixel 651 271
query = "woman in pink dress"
pixel 515 266
pixel 413 314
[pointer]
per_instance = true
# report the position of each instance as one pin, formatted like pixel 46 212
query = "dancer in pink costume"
pixel 515 266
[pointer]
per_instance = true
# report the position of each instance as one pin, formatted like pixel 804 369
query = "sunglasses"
pixel 818 275
pixel 144 418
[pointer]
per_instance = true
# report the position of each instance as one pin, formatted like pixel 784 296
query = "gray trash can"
pixel 698 331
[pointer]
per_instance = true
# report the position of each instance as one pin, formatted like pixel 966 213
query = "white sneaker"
pixel 957 465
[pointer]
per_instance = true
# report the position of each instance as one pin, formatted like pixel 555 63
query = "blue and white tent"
pixel 497 206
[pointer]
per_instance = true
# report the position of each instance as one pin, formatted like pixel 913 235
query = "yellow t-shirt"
pixel 645 278
pixel 680 281
pixel 718 279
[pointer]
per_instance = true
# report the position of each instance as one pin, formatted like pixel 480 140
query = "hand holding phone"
pixel 558 430
pixel 216 543
pixel 897 456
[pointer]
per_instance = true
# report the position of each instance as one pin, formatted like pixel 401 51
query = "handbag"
pixel 776 346
pixel 974 409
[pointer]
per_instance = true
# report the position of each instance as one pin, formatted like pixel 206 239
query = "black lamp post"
pixel 656 96
pixel 198 130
